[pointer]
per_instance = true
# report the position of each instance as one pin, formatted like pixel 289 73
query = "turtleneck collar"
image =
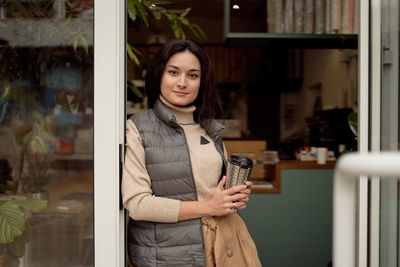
pixel 183 115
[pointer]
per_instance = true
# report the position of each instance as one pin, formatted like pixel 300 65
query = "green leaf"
pixel 32 204
pixel 41 142
pixel 135 50
pixel 199 31
pixel 131 10
pixel 131 53
pixel 33 146
pixel 17 247
pixel 184 21
pixel 12 222
pixel 26 137
pixel 75 44
pixel 143 13
pixel 193 31
pixel 14 197
pixel 41 131
pixel 84 43
pixel 26 235
pixel 135 90
pixel 187 10
pixel 352 119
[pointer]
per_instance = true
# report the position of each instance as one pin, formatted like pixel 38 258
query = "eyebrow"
pixel 175 67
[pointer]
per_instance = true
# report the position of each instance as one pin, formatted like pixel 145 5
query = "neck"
pixel 183 115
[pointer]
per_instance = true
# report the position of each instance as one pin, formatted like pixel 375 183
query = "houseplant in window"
pixel 14 229
pixel 31 133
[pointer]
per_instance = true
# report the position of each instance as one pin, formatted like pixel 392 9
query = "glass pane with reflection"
pixel 46 133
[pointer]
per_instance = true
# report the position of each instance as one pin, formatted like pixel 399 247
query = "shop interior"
pixel 288 93
pixel 285 92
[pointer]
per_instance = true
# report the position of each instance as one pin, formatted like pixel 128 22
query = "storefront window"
pixel 46 133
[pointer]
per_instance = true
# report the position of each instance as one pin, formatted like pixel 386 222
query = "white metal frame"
pixel 109 84
pixel 348 169
pixel 363 131
pixel 375 70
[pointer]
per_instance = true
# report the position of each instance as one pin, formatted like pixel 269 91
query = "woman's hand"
pixel 246 191
pixel 225 202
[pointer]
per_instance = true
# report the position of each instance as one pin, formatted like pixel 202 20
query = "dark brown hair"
pixel 207 103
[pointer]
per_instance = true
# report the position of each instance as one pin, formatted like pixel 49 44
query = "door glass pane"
pixel 389 217
pixel 46 132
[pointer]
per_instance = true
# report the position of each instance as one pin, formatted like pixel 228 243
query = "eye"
pixel 193 76
pixel 173 72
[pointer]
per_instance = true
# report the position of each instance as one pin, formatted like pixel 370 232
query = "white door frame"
pixel 375 134
pixel 363 127
pixel 109 88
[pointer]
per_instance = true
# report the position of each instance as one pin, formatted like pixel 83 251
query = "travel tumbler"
pixel 239 171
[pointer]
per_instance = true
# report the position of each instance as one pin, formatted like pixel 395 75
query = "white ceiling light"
pixel 235 7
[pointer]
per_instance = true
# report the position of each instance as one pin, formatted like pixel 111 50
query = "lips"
pixel 180 93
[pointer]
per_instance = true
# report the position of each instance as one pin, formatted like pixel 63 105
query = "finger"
pixel 246 191
pixel 238 197
pixel 241 205
pixel 245 199
pixel 235 189
pixel 221 183
pixel 249 184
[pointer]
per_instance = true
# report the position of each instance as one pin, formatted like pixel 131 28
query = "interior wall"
pixel 330 76
pixel 337 71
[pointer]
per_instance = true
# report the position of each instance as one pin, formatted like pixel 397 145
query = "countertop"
pixel 272 184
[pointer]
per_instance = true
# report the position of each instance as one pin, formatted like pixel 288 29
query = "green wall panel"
pixel 294 228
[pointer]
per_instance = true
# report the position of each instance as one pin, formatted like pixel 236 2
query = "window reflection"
pixel 46 133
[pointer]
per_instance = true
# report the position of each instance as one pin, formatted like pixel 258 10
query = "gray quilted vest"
pixel 168 164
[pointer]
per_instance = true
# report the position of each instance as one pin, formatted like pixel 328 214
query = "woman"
pixel 174 171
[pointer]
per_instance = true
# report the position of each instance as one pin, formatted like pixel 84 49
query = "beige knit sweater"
pixel 137 195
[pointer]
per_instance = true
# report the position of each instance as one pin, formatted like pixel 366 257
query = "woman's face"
pixel 180 81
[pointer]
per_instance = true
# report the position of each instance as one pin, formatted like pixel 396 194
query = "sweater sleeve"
pixel 136 191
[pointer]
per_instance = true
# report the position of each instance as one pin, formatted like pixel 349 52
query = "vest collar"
pixel 214 128
pixel 164 114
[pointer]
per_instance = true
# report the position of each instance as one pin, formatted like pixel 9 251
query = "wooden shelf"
pixel 292 40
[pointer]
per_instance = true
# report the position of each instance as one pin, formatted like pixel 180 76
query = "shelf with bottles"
pixel 300 23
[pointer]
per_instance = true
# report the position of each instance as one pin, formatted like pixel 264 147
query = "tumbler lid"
pixel 241 161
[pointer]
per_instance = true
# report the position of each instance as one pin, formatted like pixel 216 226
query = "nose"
pixel 182 83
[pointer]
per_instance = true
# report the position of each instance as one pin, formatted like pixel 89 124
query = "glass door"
pixel 46 133
pixel 62 78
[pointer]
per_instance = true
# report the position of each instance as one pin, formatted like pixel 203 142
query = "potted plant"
pixel 33 135
pixel 14 228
